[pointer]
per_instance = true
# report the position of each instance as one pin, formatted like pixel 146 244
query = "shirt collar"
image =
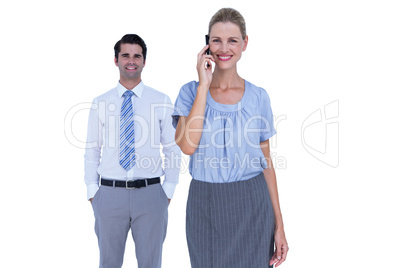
pixel 137 90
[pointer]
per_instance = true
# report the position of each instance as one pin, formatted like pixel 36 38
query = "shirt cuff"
pixel 169 188
pixel 91 190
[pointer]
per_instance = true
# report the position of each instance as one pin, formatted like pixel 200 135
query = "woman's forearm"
pixel 189 129
pixel 270 177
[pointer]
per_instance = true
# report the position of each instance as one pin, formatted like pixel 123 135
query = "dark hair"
pixel 130 39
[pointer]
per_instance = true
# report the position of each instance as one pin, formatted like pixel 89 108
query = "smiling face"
pixel 226 44
pixel 130 62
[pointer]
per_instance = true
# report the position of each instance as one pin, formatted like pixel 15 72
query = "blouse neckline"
pixel 229 107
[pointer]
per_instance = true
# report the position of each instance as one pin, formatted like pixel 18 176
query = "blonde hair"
pixel 229 15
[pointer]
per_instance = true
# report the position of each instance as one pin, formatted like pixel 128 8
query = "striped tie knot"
pixel 128 93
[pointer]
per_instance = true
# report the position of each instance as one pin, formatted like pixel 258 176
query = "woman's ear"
pixel 245 43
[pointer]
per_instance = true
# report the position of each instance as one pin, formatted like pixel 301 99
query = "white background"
pixel 56 55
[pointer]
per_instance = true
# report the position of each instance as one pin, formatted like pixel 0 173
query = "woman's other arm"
pixel 189 128
pixel 281 245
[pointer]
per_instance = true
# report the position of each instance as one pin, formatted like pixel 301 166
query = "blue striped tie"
pixel 127 149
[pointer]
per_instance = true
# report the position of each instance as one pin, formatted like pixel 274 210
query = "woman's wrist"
pixel 279 225
pixel 203 88
pixel 202 91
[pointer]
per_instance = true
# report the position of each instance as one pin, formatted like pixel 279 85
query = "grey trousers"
pixel 230 225
pixel 144 210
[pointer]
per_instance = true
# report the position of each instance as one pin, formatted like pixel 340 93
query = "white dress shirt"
pixel 152 128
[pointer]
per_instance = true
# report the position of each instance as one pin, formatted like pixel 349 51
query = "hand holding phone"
pixel 204 66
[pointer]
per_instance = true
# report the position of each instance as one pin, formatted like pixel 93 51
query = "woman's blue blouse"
pixel 229 149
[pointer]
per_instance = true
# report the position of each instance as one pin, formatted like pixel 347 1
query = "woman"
pixel 224 123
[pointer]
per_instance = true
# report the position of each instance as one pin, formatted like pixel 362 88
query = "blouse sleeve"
pixel 184 102
pixel 267 119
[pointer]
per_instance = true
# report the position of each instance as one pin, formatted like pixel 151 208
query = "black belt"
pixel 130 184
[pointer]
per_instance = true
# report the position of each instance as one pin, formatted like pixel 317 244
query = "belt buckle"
pixel 127 184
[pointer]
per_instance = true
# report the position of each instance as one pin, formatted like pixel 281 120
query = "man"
pixel 128 124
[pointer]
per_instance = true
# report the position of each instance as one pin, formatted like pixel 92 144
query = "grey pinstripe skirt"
pixel 230 225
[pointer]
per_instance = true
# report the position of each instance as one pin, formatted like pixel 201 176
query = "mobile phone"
pixel 207 42
pixel 207 52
